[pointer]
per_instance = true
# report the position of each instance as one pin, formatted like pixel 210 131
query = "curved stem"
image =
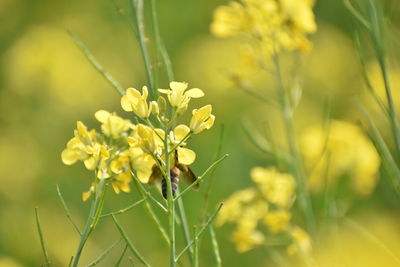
pixel 296 165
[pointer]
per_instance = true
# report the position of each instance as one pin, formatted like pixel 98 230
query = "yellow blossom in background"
pixel 246 240
pixel 233 205
pixel 202 119
pixel 341 149
pixel 301 241
pixel 278 188
pixel 274 24
pixel 277 221
pixel 179 96
pixel 136 102
pixel 268 204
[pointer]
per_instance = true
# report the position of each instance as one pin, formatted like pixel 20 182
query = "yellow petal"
pixel 69 156
pixel 102 115
pixel 143 176
pixel 164 91
pixel 125 104
pixel 133 95
pixel 86 195
pixel 195 93
pixel 186 156
pixel 145 92
pixel 180 132
pixel 115 186
pixel 90 163
pixel 178 86
pixel 210 122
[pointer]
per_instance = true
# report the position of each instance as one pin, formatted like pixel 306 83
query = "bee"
pixel 177 171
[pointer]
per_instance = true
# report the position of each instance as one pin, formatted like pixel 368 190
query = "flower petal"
pixel 125 104
pixel 186 156
pixel 178 86
pixel 102 115
pixel 164 91
pixel 181 131
pixel 195 93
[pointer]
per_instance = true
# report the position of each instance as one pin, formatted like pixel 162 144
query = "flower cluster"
pixel 273 25
pixel 124 150
pixel 268 203
pixel 342 150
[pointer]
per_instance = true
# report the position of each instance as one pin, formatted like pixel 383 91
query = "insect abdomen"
pixel 174 182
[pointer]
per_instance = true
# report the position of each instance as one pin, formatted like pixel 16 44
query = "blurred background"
pixel 46 85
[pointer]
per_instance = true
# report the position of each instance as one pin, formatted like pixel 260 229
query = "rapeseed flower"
pixel 347 151
pixel 179 96
pixel 267 203
pixel 202 119
pixel 134 101
pixel 273 25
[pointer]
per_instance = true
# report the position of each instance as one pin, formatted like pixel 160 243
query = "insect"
pixel 178 171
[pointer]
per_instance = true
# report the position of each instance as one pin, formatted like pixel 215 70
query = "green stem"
pixel 95 209
pixel 185 227
pixel 200 178
pixel 150 211
pixel 171 205
pixel 296 165
pixel 138 9
pixel 129 243
pixel 39 228
pixel 215 247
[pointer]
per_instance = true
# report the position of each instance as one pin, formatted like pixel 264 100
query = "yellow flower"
pixel 245 239
pixel 202 119
pixel 277 221
pixel 136 102
pixel 185 156
pixel 123 177
pixel 347 151
pixel 112 125
pixel 80 147
pixel 229 20
pixel 278 188
pixel 301 241
pixel 142 163
pixel 233 206
pixel 147 139
pixel 178 96
pixel 86 195
pixel 271 24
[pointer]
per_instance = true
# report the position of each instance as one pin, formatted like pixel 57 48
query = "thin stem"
pixel 66 210
pixel 138 9
pixel 122 256
pixel 149 195
pixel 103 255
pixel 161 50
pixel 200 178
pixel 185 227
pixel 171 204
pixel 90 223
pixel 297 168
pixel 215 247
pixel 150 210
pixel 43 245
pixel 196 248
pixel 109 78
pixel 129 243
pixel 199 233
pixel 125 209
